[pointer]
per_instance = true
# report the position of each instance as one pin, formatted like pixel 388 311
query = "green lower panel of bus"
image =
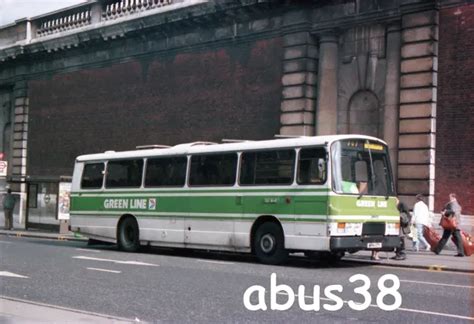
pixel 290 205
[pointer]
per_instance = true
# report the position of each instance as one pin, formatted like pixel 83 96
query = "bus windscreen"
pixel 361 167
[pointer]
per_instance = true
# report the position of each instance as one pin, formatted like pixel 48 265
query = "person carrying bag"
pixel 450 219
pixel 405 220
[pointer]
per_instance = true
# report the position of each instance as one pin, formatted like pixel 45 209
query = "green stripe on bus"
pixel 321 219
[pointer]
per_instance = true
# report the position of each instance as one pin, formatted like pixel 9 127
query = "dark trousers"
pixel 400 251
pixel 8 213
pixel 457 239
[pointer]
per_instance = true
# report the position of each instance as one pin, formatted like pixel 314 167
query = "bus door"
pixel 311 199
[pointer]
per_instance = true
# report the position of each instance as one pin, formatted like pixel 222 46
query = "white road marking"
pixel 104 270
pixel 115 261
pixel 437 284
pixel 398 309
pixel 11 274
pixel 217 262
pixel 88 250
pixel 5 242
pixel 139 263
pixel 426 270
pixel 434 313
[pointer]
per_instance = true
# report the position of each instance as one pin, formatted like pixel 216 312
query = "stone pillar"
pixel 17 175
pixel 299 83
pixel 392 94
pixel 326 117
pixel 418 85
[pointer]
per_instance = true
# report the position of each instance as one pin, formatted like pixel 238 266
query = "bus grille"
pixel 373 228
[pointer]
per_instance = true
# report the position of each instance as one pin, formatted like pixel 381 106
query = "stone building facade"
pixel 111 75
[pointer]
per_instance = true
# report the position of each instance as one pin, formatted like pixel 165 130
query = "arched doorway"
pixel 363 114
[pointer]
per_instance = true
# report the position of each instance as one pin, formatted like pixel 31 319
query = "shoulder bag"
pixel 448 223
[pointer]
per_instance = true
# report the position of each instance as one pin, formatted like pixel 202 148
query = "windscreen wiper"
pixel 372 171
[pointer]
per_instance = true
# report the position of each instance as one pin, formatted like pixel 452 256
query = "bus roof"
pixel 208 147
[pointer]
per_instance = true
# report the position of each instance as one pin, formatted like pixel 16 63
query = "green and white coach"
pixel 318 195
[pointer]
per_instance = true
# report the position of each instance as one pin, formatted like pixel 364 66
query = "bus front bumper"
pixel 372 242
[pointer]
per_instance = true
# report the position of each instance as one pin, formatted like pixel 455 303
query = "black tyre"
pixel 334 257
pixel 128 237
pixel 268 244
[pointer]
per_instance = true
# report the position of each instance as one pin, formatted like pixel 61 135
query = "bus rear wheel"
pixel 128 238
pixel 268 244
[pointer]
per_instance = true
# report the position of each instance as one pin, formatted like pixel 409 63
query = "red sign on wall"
pixel 3 168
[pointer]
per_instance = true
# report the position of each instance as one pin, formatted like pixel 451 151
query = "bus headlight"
pixel 344 228
pixel 392 228
pixel 341 227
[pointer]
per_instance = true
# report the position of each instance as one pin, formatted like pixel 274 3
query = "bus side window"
pixel 213 170
pixel 273 167
pixel 124 174
pixel 92 176
pixel 312 166
pixel 166 172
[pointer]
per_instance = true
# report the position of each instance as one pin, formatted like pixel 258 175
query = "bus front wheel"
pixel 268 244
pixel 128 237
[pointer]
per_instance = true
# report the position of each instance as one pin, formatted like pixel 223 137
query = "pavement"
pixel 13 310
pixel 69 236
pixel 445 261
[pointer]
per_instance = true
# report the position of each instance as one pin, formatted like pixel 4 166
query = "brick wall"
pixel 232 92
pixel 455 112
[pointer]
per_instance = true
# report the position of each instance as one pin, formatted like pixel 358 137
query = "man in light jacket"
pixel 421 217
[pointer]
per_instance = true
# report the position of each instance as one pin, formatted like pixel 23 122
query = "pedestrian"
pixel 8 206
pixel 452 209
pixel 413 236
pixel 375 255
pixel 421 217
pixel 405 220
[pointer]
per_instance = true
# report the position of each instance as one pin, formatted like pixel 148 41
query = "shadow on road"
pixel 295 260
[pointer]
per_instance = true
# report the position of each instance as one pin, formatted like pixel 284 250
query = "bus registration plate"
pixel 374 245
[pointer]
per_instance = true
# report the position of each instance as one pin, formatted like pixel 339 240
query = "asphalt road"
pixel 188 286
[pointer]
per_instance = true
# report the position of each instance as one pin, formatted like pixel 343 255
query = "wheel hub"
pixel 267 243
